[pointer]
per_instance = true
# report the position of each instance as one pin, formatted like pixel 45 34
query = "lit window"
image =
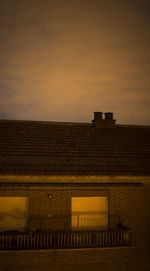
pixel 13 213
pixel 89 212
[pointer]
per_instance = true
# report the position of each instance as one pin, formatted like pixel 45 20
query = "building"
pixel 74 195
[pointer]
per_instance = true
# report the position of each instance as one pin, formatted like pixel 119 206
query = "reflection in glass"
pixel 89 212
pixel 13 213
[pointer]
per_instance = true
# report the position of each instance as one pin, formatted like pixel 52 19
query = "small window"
pixel 89 213
pixel 13 213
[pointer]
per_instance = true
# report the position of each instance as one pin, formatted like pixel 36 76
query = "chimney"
pixel 108 116
pixel 99 122
pixel 98 115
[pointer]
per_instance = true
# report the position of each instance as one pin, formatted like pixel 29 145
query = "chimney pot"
pixel 98 115
pixel 109 116
pixel 99 122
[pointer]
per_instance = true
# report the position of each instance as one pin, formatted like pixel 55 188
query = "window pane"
pixel 13 213
pixel 89 212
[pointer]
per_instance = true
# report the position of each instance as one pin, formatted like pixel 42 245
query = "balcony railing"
pixel 64 240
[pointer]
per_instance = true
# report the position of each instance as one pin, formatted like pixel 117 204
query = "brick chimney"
pixel 99 122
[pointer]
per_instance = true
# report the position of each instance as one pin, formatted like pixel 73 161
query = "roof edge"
pixel 71 123
pixel 72 179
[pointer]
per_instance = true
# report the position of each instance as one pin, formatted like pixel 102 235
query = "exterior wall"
pixel 128 203
pixel 72 260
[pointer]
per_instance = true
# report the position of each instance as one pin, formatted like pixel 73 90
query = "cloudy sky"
pixel 61 60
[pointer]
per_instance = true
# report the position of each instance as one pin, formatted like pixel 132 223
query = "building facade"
pixel 74 195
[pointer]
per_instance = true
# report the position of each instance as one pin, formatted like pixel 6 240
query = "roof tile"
pixel 51 148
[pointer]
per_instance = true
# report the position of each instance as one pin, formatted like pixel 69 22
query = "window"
pixel 13 213
pixel 89 213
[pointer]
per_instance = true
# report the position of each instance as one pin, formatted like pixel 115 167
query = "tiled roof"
pixel 54 148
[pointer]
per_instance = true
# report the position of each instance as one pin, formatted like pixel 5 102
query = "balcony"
pixel 80 230
pixel 64 239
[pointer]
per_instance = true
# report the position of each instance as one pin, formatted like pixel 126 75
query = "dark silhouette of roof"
pixel 55 148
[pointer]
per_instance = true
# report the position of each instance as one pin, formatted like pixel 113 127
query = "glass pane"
pixel 89 204
pixel 89 212
pixel 13 213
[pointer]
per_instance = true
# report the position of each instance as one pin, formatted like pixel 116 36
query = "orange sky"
pixel 63 60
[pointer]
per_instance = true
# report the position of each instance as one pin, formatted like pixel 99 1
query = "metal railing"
pixel 64 240
pixel 91 220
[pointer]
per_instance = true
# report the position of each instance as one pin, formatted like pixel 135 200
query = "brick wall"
pixel 129 203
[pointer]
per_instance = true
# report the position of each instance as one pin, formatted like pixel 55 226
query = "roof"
pixel 57 148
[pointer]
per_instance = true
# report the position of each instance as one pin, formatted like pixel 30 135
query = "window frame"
pixel 93 195
pixel 14 227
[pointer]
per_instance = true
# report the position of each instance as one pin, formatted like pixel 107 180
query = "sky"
pixel 62 60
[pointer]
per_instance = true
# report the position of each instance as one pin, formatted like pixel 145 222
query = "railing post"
pixel 63 239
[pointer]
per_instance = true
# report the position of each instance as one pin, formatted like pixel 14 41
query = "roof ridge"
pixel 46 121
pixel 70 123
